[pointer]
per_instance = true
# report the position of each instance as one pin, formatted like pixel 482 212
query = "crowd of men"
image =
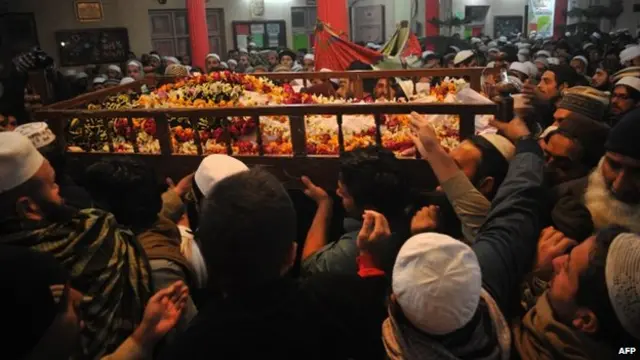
pixel 532 251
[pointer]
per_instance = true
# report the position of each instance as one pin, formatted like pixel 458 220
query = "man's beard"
pixel 56 213
pixel 605 209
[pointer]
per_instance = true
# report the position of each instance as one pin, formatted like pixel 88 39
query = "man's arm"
pixel 470 205
pixel 506 243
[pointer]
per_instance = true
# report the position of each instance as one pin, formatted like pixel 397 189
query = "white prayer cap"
pixel 252 44
pixel 70 72
pixel 232 61
pixel 596 35
pixel 212 55
pixel 99 80
pixel 135 63
pixel 224 65
pixel 214 168
pixel 492 44
pixel 437 283
pixel 622 276
pixel 553 61
pixel 243 50
pixel 19 160
pixel 494 50
pixel 523 52
pixel 127 80
pixel 567 34
pixel 581 58
pixel 38 133
pixel 587 45
pixel 520 67
pixel 427 53
pixel 156 56
pixel 542 60
pixel 533 69
pixel 630 81
pixel 544 53
pixel 516 82
pixel 462 56
pixel 475 40
pixel 522 58
pixel 172 59
pixel 502 39
pixel 454 48
pixel 82 75
pixel 115 68
pixel 309 57
pixel 502 144
pixel 629 53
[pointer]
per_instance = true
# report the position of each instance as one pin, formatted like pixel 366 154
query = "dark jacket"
pixel 324 317
pixel 506 243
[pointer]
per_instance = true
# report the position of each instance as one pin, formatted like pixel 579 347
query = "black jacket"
pixel 326 316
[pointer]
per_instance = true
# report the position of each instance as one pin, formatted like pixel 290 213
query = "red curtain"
pixel 335 52
pixel 198 32
pixel 432 8
pixel 335 14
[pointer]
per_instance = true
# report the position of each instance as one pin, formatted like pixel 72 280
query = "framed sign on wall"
pixel 268 34
pixel 88 10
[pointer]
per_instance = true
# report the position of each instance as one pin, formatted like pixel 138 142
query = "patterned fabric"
pixel 106 264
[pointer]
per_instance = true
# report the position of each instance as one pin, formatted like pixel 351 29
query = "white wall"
pixel 389 14
pixel 54 15
pixel 496 8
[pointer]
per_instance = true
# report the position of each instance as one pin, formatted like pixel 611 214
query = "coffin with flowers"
pixel 253 117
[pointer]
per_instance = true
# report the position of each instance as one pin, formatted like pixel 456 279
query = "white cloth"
pixel 622 276
pixel 191 251
pixel 214 168
pixel 19 160
pixel 630 81
pixel 437 283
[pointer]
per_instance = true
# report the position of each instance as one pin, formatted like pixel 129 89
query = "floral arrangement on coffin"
pixel 145 130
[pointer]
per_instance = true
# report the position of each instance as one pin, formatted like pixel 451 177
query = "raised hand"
pixel 425 220
pixel 314 192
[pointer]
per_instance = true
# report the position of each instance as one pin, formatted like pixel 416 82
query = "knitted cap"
pixel 632 71
pixel 590 134
pixel 623 138
pixel 586 101
pixel 437 283
pixel 622 276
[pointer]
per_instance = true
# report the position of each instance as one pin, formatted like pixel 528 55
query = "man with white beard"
pixel 613 192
